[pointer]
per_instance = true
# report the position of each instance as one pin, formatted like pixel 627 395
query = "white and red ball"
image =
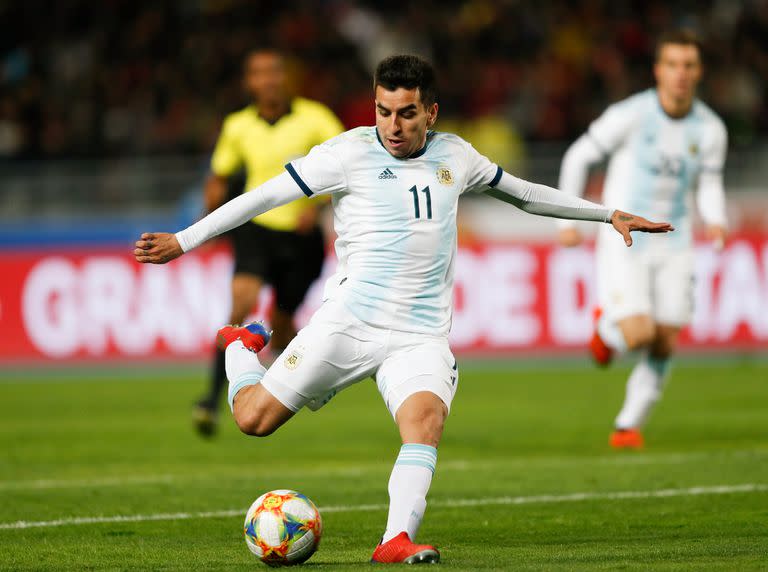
pixel 282 528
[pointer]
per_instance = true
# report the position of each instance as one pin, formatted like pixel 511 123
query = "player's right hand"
pixel 157 248
pixel 624 223
pixel 570 237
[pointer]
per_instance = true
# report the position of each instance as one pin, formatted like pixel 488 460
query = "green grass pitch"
pixel 523 441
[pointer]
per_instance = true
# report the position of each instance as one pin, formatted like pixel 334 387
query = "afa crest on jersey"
pixel 444 176
pixel 293 359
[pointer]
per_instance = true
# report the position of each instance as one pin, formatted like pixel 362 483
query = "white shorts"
pixel 654 283
pixel 336 350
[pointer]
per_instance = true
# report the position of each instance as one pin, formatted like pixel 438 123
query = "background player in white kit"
pixel 387 310
pixel 663 143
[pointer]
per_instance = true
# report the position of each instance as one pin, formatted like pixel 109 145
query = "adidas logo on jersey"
pixel 387 174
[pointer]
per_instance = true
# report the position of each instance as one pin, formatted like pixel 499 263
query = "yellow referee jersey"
pixel 247 140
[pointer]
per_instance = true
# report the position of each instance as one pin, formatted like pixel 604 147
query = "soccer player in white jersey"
pixel 387 310
pixel 663 144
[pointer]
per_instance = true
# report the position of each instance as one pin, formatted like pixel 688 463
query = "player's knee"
pixel 254 423
pixel 640 337
pixel 424 425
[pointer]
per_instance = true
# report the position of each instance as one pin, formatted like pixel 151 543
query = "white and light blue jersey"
pixel 656 161
pixel 396 223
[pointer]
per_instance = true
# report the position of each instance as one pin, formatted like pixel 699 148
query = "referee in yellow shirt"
pixel 283 247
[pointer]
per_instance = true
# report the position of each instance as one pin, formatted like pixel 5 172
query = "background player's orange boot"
pixel 601 353
pixel 627 439
pixel 400 550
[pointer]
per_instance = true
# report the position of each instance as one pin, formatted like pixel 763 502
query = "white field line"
pixel 449 503
pixel 457 465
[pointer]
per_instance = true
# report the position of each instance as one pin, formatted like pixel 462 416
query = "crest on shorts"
pixel 694 149
pixel 444 176
pixel 292 360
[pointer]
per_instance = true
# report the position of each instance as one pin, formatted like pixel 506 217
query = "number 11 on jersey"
pixel 416 209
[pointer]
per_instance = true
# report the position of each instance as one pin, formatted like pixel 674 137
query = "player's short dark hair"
pixel 410 72
pixel 680 37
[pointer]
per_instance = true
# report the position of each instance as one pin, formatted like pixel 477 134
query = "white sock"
pixel 644 388
pixel 408 486
pixel 243 368
pixel 611 334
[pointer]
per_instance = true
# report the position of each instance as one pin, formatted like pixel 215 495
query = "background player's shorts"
pixel 289 261
pixel 655 283
pixel 336 350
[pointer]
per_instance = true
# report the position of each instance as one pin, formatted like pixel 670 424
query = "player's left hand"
pixel 157 248
pixel 624 223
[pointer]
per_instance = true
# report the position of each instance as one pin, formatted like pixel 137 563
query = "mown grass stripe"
pixel 448 503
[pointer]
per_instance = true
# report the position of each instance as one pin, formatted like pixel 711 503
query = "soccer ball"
pixel 282 528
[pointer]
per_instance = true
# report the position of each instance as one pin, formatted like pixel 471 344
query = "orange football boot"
pixel 601 353
pixel 400 550
pixel 627 439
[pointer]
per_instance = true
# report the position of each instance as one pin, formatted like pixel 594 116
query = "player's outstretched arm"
pixel 546 201
pixel 161 247
pixel 624 223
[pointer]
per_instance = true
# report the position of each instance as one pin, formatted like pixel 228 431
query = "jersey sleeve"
pixel 713 158
pixel 609 131
pixel 710 197
pixel 318 173
pixel 481 172
pixel 226 159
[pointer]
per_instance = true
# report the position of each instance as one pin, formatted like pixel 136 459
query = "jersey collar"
pixel 288 111
pixel 414 155
pixel 664 111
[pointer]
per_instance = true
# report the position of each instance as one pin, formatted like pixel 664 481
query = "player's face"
pixel 402 120
pixel 265 77
pixel 678 71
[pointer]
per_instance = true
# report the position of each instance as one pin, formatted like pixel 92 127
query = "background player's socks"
pixel 644 388
pixel 204 414
pixel 218 379
pixel 243 368
pixel 408 486
pixel 611 334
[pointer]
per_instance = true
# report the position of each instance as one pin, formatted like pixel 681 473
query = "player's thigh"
pixel 624 283
pixel 258 412
pixel 673 286
pixel 638 330
pixel 298 262
pixel 330 353
pixel 417 364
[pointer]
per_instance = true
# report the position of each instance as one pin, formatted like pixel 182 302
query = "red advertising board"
pixel 510 297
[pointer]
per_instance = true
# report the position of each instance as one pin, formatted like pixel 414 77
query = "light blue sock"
pixel 243 368
pixel 240 383
pixel 408 487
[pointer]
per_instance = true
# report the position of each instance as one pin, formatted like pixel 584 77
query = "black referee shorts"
pixel 288 261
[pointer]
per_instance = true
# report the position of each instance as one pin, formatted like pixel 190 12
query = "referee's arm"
pixel 226 161
pixel 215 192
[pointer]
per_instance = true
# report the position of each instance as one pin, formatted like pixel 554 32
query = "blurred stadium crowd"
pixel 118 77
